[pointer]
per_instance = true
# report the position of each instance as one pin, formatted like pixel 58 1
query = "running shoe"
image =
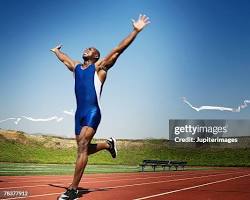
pixel 112 147
pixel 70 194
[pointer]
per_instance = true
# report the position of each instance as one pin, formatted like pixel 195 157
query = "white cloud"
pixel 53 118
pixel 71 112
pixel 220 108
pixel 11 118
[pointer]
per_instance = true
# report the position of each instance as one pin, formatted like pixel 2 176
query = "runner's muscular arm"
pixel 107 62
pixel 64 58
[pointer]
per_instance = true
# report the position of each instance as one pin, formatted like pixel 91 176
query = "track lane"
pixel 128 188
pixel 225 189
pixel 134 191
pixel 58 179
pixel 230 190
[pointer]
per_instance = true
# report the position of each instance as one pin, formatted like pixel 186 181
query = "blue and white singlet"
pixel 88 89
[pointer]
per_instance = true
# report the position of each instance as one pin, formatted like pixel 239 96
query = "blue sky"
pixel 199 49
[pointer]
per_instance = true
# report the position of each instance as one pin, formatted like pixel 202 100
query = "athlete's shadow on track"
pixel 82 191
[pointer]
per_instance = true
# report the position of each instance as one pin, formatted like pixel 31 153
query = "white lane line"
pixel 129 185
pixel 26 179
pixel 69 178
pixel 192 187
pixel 95 175
pixel 45 179
pixel 172 180
pixel 30 186
pixel 100 181
pixel 112 180
pixel 30 181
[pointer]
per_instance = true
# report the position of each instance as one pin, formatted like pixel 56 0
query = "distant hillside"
pixel 56 142
pixel 16 146
pixel 44 140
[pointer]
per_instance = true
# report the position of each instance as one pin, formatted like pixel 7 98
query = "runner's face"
pixel 90 53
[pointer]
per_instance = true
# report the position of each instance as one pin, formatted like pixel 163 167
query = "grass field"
pixel 13 151
pixel 20 148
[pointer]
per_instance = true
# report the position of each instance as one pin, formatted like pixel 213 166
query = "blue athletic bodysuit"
pixel 88 91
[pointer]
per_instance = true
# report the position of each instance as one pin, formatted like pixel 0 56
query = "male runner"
pixel 89 79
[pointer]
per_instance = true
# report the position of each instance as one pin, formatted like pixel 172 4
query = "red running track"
pixel 228 184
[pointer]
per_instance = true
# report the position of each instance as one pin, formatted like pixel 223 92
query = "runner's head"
pixel 91 53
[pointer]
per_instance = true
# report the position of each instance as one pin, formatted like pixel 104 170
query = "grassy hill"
pixel 20 147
